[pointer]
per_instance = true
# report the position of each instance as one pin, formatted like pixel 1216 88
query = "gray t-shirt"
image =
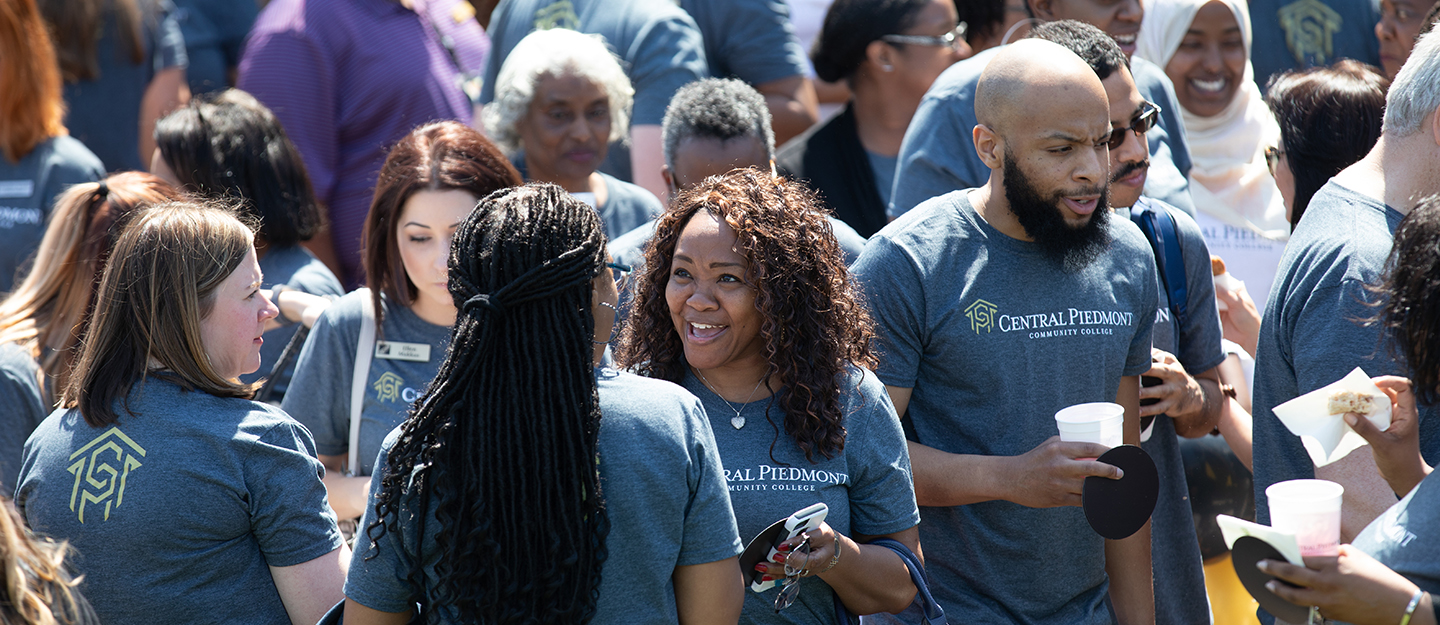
pixel 1175 552
pixel 104 113
pixel 664 495
pixel 867 486
pixel 986 329
pixel 324 374
pixel 27 194
pixel 658 44
pixel 178 510
pixel 297 267
pixel 938 154
pixel 628 207
pixel 1406 537
pixel 21 409
pixel 1313 332
pixel 748 39
pixel 884 169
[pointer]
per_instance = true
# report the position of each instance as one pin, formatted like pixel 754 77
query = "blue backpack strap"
pixel 934 614
pixel 1159 228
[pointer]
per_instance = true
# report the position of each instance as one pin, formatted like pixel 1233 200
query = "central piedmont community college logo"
pixel 387 388
pixel 981 315
pixel 101 469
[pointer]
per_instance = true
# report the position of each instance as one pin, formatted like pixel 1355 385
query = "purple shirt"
pixel 350 78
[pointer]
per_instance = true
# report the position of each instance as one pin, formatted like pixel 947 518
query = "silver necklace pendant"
pixel 737 421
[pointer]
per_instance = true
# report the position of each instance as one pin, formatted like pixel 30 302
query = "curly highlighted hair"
pixel 816 324
pixel 1409 298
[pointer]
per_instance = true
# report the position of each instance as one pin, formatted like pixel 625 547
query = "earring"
pixel 612 325
pixel 888 68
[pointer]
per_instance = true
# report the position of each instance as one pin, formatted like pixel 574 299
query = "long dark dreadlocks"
pixel 505 438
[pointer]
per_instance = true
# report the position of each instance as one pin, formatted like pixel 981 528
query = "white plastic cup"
pixel 1310 509
pixel 1097 422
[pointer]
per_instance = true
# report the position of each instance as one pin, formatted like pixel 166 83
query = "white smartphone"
pixel 802 521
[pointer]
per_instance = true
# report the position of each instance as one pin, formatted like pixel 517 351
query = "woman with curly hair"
pixel 746 302
pixel 529 485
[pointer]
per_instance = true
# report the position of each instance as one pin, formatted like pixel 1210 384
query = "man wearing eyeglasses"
pixel 938 154
pixel 1178 403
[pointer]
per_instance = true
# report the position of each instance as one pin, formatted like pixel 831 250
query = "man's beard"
pixel 1073 248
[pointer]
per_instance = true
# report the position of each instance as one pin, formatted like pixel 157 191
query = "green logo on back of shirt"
pixel 981 315
pixel 1310 29
pixel 559 15
pixel 103 467
pixel 387 388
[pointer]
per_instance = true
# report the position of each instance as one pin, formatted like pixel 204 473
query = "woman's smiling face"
pixel 1210 63
pixel 711 304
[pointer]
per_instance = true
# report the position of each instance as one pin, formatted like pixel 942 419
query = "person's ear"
pixel 669 180
pixel 1435 125
pixel 881 54
pixel 988 146
pixel 1042 9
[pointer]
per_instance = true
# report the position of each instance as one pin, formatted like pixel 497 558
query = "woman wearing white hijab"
pixel 1204 46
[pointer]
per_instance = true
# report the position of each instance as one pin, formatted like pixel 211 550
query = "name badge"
pixel 413 352
pixel 17 188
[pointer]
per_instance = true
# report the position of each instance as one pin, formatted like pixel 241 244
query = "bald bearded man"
pixel 997 307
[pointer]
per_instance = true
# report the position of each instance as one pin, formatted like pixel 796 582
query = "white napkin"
pixel 1232 529
pixel 1326 436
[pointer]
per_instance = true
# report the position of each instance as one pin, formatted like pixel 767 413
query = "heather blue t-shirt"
pixel 628 207
pixel 867 486
pixel 296 267
pixel 324 374
pixel 22 407
pixel 1175 552
pixel 938 154
pixel 664 495
pixel 178 510
pixel 1296 34
pixel 28 189
pixel 659 47
pixel 214 33
pixel 1312 333
pixel 104 113
pixel 1406 537
pixel 748 39
pixel 994 339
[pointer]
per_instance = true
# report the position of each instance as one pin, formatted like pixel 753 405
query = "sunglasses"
pixel 947 40
pixel 1272 158
pixel 791 586
pixel 619 270
pixel 1143 121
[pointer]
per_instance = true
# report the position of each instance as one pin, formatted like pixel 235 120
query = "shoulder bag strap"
pixel 1159 228
pixel 934 614
pixel 364 351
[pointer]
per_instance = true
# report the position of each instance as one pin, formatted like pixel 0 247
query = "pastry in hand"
pixel 1364 404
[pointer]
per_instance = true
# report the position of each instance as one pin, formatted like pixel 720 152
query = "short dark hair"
pixel 435 157
pixel 716 108
pixel 1411 298
pixel 1098 49
pixel 850 26
pixel 983 17
pixel 1329 118
pixel 231 146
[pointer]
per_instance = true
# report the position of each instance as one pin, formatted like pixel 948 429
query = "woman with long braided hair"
pixel 746 302
pixel 529 485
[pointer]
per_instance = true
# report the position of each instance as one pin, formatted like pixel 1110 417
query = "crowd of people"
pixel 504 311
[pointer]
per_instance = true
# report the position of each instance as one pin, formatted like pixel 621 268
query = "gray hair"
pixel 1415 93
pixel 555 52
pixel 716 108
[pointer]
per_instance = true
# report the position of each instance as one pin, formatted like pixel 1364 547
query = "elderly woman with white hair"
pixel 561 98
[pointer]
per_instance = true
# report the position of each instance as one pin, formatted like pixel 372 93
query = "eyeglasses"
pixel 1272 157
pixel 619 270
pixel 791 585
pixel 947 40
pixel 1143 121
